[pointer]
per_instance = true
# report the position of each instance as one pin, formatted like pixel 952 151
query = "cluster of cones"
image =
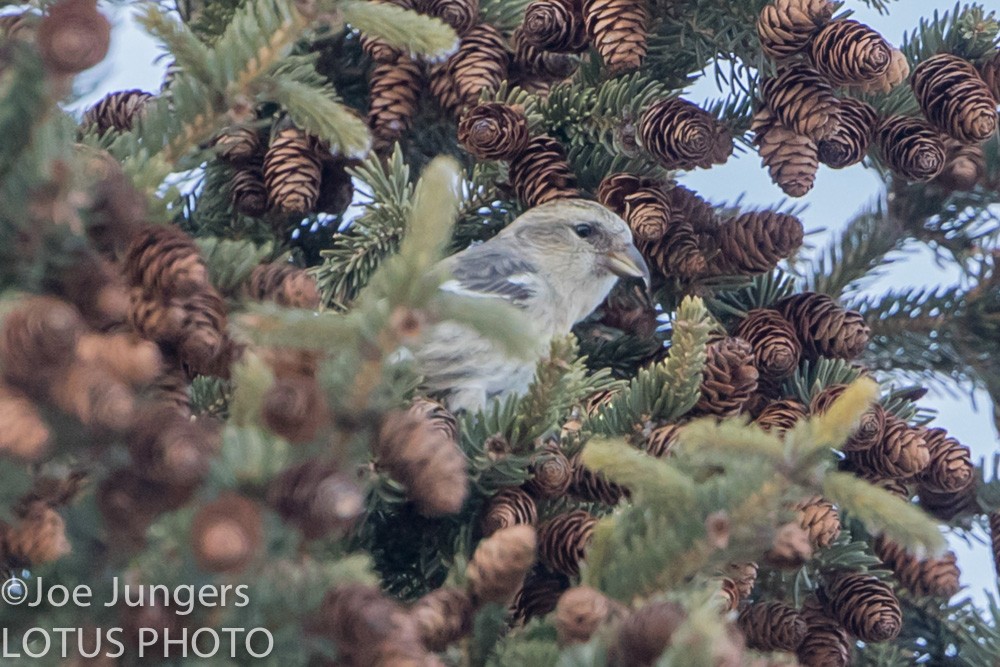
pixel 807 115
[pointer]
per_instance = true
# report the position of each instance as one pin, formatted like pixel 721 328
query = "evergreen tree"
pixel 204 289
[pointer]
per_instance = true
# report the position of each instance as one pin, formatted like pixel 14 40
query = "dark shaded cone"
pixel 541 173
pixel 510 507
pixel 284 284
pixel 803 101
pixel 791 159
pixel 618 30
pixel 563 541
pixel 864 605
pixel 500 563
pixel 849 52
pixel 785 27
pixel 955 99
pixel 772 626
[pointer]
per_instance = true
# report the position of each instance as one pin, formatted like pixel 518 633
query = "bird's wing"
pixel 493 270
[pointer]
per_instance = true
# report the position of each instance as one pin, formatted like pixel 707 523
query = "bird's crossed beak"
pixel 628 263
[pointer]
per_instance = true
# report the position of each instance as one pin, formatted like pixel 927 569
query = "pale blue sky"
pixel 837 195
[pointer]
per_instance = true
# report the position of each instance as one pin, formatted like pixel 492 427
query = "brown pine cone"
pixel 437 416
pixel 848 145
pixel 168 449
pixel 292 171
pixel 536 66
pixel 117 111
pixel 284 284
pixel 24 435
pixel 965 166
pixel 416 451
pixel 729 378
pixel 480 64
pixel 755 242
pixel 393 92
pixel 661 440
pixel 825 643
pixel 681 135
pixel 73 36
pixel 803 101
pixel 989 71
pixel 37 339
pixel 164 261
pixel 459 14
pixel 849 52
pixel 911 148
pixel 781 416
pixel 647 212
pixel 897 72
pixel 563 541
pixel 948 506
pixel 871 426
pixel 786 26
pixel 614 188
pixel 824 328
pixel 644 634
pixel 248 192
pixel 678 252
pixel 541 173
pixel 238 144
pixel 938 577
pixel 555 25
pixel 772 626
pixel 443 616
pixel 204 347
pixel 539 594
pixel 510 507
pixel 950 468
pixel 820 519
pixel 552 473
pixel 294 408
pixel 500 563
pixel 39 536
pixel 901 453
pixel 315 498
pixel 126 356
pixel 791 159
pixel 493 131
pixel 618 30
pixel 579 613
pixel 955 99
pixel 227 534
pixel 628 308
pixel 776 349
pixel 94 396
pixel 442 87
pixel 790 548
pixel 593 486
pixel 864 605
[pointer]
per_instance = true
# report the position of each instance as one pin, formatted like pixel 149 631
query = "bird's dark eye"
pixel 583 231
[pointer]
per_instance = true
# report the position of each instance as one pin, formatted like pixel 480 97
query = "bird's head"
pixel 579 239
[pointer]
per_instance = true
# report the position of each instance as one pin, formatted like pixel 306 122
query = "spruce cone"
pixel 94 396
pixel 781 416
pixel 552 473
pixel 680 134
pixel 294 408
pixel 850 142
pixel 593 486
pixel 776 350
pixel 24 435
pixel 803 101
pixel 947 506
pixel 227 534
pixel 238 144
pixel 393 93
pixel 541 173
pixel 459 14
pixel 618 30
pixel 437 416
pixel 248 192
pixel 164 261
pixel 678 252
pixel 166 448
pixel 870 428
pixel 730 378
pixel 660 441
pixel 791 159
pixel 443 616
pixel 117 111
pixel 897 72
pixel 950 468
pixel 786 26
pixel 825 643
pixel 555 25
pixel 480 64
pixel 510 507
pixel 931 576
pixel 426 460
pixel 865 606
pixel 902 452
pixel 614 188
pixel 688 206
pixel 579 612
pixel 316 498
pixel 538 66
pixel 755 242
pixel 73 36
pixel 955 99
pixel 964 166
pixel 820 519
pixel 644 634
pixel 539 594
pixel 292 171
pixel 500 563
pixel 772 626
pixel 284 284
pixel 127 357
pixel 37 340
pixel 989 71
pixel 647 212
pixel 912 148
pixel 791 547
pixel 848 52
pixel 442 87
pixel 563 541
pixel 493 131
pixel 824 328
